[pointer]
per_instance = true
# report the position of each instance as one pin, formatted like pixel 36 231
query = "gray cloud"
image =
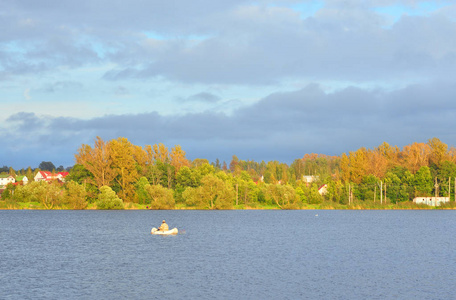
pixel 282 126
pixel 204 97
pixel 228 42
pixel 54 87
pixel 229 46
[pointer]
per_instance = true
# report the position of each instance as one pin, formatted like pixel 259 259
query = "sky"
pixel 262 80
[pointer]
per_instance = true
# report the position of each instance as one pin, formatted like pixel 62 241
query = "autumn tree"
pixel 124 165
pixel 198 162
pixel 345 168
pixel 234 163
pixel 141 158
pixel 391 153
pixel 161 153
pixel 438 151
pixel 378 164
pixel 98 161
pixel 415 156
pixel 359 165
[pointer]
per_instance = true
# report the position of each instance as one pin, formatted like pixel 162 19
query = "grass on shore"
pixel 361 205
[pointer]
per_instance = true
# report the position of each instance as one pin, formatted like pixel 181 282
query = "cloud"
pixel 243 43
pixel 374 76
pixel 282 126
pixel 204 97
pixel 57 86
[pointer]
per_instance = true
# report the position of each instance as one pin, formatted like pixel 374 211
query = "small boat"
pixel 171 231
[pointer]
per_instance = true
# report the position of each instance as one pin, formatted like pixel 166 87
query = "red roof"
pixel 50 176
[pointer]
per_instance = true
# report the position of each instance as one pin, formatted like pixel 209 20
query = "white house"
pixel 24 179
pixel 5 179
pixel 323 189
pixel 431 201
pixel 309 178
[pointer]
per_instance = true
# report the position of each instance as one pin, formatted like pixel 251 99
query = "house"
pixel 5 179
pixel 431 201
pixel 61 176
pixel 322 190
pixel 48 176
pixel 309 178
pixel 22 179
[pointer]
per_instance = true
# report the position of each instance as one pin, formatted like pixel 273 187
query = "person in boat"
pixel 163 226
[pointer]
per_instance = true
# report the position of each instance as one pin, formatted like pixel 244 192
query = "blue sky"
pixel 263 80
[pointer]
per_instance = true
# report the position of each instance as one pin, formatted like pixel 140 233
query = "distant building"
pixel 431 201
pixel 322 190
pixel 310 178
pixel 5 179
pixel 48 176
pixel 22 179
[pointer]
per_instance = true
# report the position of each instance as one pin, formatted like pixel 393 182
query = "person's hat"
pixel 163 221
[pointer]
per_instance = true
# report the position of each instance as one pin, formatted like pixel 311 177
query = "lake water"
pixel 228 255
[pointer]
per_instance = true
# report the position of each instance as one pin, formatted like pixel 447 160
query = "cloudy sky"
pixel 263 80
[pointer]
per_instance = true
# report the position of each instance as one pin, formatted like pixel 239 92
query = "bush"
pixel 76 196
pixel 107 199
pixel 162 198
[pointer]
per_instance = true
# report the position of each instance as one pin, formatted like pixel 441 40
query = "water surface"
pixel 228 255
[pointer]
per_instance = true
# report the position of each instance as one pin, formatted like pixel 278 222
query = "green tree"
pixel 367 187
pixel 446 175
pixel 396 189
pixel 142 197
pixel 46 166
pixel 214 193
pixel 336 192
pixel 423 182
pixel 314 196
pixel 29 174
pixel 283 195
pixel 8 192
pixel 24 193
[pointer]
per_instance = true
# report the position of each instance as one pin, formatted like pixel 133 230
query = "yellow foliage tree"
pixel 359 165
pixel 439 151
pixel 124 164
pixel 161 153
pixel 416 156
pixel 178 159
pixel 97 161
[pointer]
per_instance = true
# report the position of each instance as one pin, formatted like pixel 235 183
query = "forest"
pixel 116 174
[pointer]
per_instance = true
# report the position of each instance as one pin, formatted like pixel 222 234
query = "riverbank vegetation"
pixel 116 174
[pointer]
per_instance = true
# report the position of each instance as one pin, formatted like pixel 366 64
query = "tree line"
pixel 115 174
